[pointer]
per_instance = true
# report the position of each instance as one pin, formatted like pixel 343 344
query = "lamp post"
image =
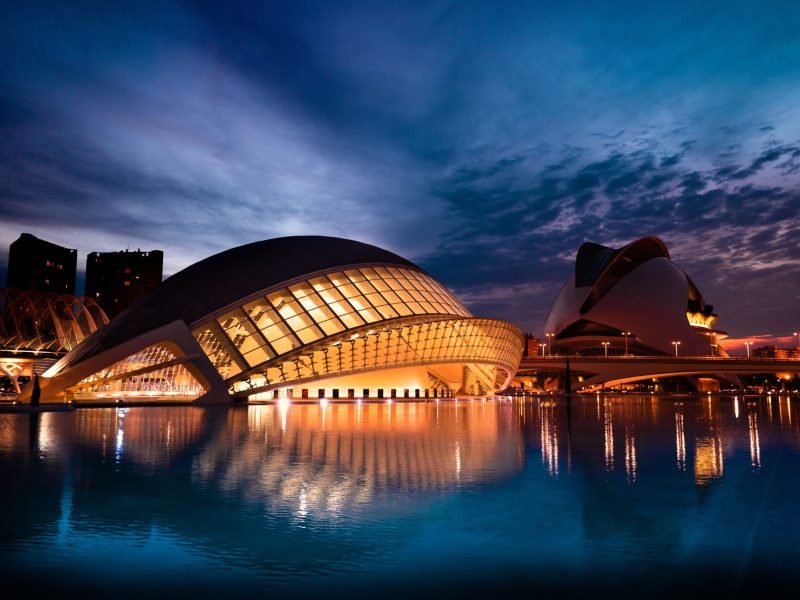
pixel 549 342
pixel 605 347
pixel 626 334
pixel 542 347
pixel 747 345
pixel 676 344
pixel 796 335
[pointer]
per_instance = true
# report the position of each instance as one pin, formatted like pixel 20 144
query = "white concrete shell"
pixel 634 297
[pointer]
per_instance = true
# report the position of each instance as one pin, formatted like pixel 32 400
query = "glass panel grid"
pixel 474 340
pixel 217 352
pixel 329 305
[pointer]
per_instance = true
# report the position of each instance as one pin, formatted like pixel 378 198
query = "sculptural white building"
pixel 631 300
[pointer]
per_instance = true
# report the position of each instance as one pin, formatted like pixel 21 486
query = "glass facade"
pixel 218 350
pixel 319 308
pixel 482 343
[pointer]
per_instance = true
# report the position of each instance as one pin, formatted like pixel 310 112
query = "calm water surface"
pixel 629 494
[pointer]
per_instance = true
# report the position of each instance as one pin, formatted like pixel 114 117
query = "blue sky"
pixel 486 143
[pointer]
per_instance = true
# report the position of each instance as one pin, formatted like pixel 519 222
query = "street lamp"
pixel 797 339
pixel 605 347
pixel 549 341
pixel 747 345
pixel 626 334
pixel 542 347
pixel 676 344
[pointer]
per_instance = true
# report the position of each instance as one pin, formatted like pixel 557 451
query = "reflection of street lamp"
pixel 605 347
pixel 542 347
pixel 747 345
pixel 549 342
pixel 676 344
pixel 626 334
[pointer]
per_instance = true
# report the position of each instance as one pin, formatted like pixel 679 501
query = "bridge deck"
pixel 612 370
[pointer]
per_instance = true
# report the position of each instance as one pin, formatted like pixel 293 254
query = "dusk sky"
pixel 484 142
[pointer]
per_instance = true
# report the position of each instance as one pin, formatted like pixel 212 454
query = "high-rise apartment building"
pixel 116 279
pixel 35 264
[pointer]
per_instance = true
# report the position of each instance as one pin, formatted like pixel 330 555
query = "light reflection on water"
pixel 603 491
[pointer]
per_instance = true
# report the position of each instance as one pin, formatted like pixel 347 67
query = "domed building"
pixel 632 300
pixel 295 317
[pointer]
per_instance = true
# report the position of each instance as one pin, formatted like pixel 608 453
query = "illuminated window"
pixel 317 309
pixel 217 352
pixel 245 338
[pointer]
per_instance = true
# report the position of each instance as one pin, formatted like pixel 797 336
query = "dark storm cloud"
pixel 486 140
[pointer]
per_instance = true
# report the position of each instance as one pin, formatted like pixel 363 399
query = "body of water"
pixel 632 495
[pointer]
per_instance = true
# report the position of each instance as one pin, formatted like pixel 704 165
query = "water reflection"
pixel 709 463
pixel 630 454
pixel 680 439
pixel 608 433
pixel 755 445
pixel 292 492
pixel 548 428
pixel 323 460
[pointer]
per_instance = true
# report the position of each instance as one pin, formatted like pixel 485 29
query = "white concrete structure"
pixel 631 300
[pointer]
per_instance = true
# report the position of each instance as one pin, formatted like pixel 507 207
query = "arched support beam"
pixel 54 381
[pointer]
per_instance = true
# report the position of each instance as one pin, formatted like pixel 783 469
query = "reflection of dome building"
pixel 318 460
pixel 292 316
pixel 633 297
pixel 146 437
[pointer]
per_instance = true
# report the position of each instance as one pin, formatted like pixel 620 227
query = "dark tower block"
pixel 117 279
pixel 35 264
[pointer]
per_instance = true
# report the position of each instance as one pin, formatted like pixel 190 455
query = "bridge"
pixel 614 370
